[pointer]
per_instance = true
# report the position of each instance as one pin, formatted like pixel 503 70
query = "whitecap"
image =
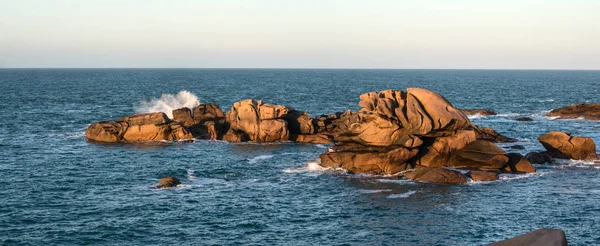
pixel 190 174
pixel 168 102
pixel 373 191
pixel 259 158
pixel 403 195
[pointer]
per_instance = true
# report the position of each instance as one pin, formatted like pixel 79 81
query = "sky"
pixel 425 34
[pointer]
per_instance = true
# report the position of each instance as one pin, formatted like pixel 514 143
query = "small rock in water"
pixel 167 182
pixel 539 237
pixel 517 146
pixel 523 119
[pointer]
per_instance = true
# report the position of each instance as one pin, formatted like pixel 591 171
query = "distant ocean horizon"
pixel 58 188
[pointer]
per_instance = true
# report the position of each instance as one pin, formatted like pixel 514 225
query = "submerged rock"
pixel 436 175
pixel 564 146
pixel 524 119
pixel 167 182
pixel 483 112
pixel 585 111
pixel 539 237
pixel 539 157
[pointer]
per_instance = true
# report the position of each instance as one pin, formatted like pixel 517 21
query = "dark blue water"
pixel 56 188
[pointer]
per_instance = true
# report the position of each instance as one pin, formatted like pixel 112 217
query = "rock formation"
pixel 137 128
pixel 585 111
pixel 564 146
pixel 417 133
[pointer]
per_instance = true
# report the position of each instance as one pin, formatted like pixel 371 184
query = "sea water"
pixel 57 188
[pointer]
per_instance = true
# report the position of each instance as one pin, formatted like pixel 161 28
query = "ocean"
pixel 58 189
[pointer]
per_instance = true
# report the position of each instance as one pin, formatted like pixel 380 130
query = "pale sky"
pixel 476 34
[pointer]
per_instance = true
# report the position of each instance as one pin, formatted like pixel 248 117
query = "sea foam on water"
pixel 168 102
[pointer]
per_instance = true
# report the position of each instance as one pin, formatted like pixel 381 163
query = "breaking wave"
pixel 403 195
pixel 168 102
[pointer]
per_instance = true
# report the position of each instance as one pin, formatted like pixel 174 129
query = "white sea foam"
pixel 397 181
pixel 259 158
pixel 321 146
pixel 168 102
pixel 547 100
pixel 311 167
pixel 373 191
pixel 190 174
pixel 403 195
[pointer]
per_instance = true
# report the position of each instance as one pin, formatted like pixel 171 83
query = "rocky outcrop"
pixel 564 146
pixel 137 128
pixel 585 111
pixel 259 121
pixel 167 182
pixel 396 131
pixel 483 112
pixel 436 175
pixel 539 237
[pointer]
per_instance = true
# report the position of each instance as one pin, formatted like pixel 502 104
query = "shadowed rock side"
pixel 585 111
pixel 539 237
pixel 564 146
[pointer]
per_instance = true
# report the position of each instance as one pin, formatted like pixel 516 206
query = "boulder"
pixel 300 123
pixel 539 237
pixel 517 163
pixel 483 112
pixel 138 128
pixel 585 111
pixel 235 136
pixel 436 175
pixel 480 154
pixel 209 111
pixel 261 122
pixel 372 160
pixel 564 146
pixel 167 182
pixel 517 146
pixel 539 157
pixel 439 151
pixel 184 116
pixel 482 175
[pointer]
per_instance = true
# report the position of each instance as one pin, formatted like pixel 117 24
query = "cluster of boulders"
pixel 416 134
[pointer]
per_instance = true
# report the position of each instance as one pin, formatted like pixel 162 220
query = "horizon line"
pixel 309 68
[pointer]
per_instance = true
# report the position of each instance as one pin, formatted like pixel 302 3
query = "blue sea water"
pixel 57 188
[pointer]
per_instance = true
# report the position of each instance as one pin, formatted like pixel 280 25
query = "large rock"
pixel 585 111
pixel 314 138
pixel 436 175
pixel 483 112
pixel 261 122
pixel 137 128
pixel 564 146
pixel 482 155
pixel 539 237
pixel 369 160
